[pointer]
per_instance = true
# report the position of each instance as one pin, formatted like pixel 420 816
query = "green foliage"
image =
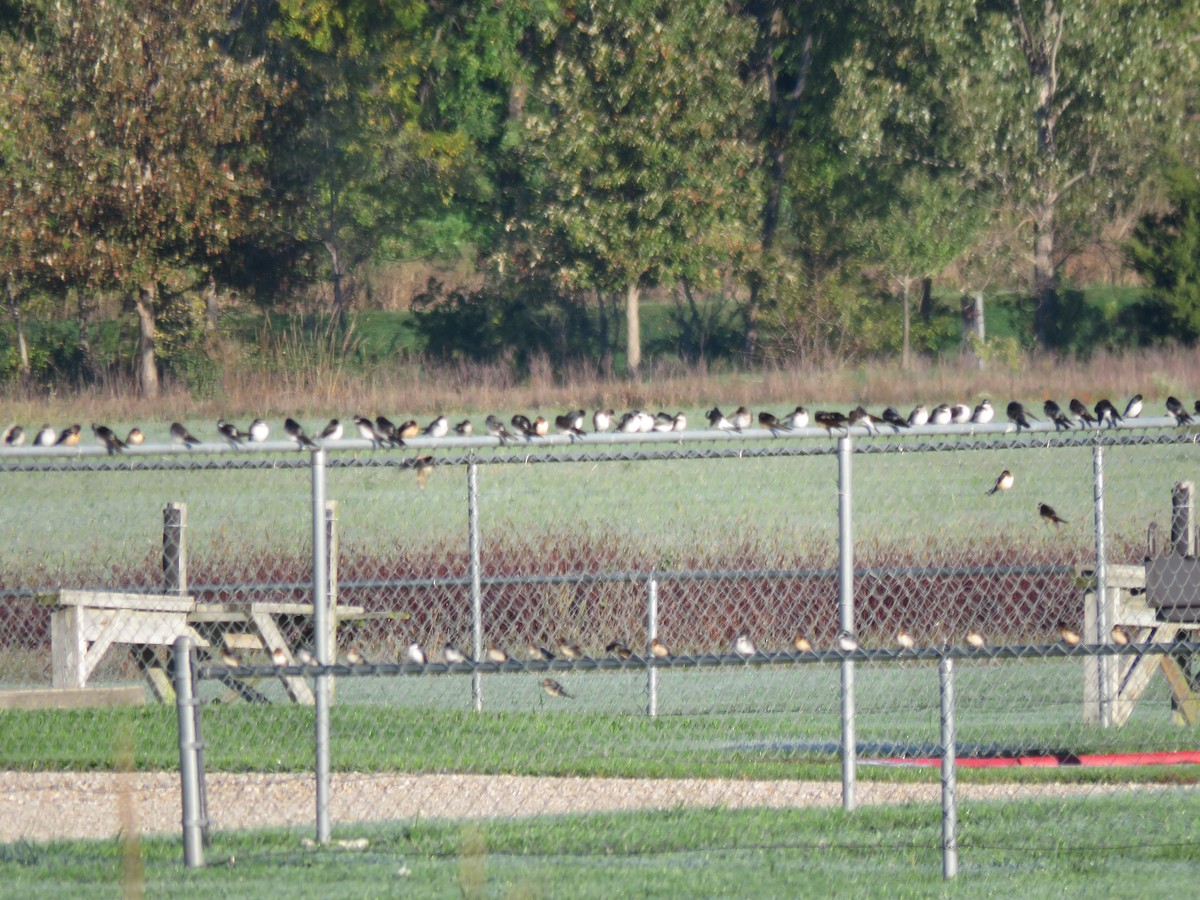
pixel 1165 250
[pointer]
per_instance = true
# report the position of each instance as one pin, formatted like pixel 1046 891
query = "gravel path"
pixel 41 806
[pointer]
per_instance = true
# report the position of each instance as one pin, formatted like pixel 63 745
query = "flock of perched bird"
pixel 382 432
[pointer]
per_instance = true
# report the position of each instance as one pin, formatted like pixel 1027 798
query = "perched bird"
pixel 679 422
pixel 495 654
pixel 975 639
pixel 296 433
pixel 522 425
pixel 305 657
pixel 1080 414
pixel 716 419
pixel 893 418
pixel 831 420
pixel 135 437
pixel 743 645
pixel 1196 406
pixel 14 437
pixel 105 435
pixel 567 650
pixel 1175 408
pixel 1069 636
pixel 847 642
pixel 385 430
pixel 230 433
pixel 368 432
pixel 602 420
pixel 258 431
pixel 960 414
pixel 919 416
pixel 438 428
pixel 570 423
pixel 1017 415
pixel 801 643
pixel 941 415
pixel 496 429
pixel 1054 413
pixel 405 430
pixel 1133 408
pixel 181 435
pixel 741 419
pixel 631 423
pixel 859 416
pixel 45 437
pixel 1106 413
pixel 659 649
pixel 279 656
pixel 798 418
pixel 1003 483
pixel 423 465
pixel 415 654
pixel 1119 636
pixel 355 658
pixel 905 639
pixel 1050 516
pixel 619 649
pixel 770 423
pixel 230 660
pixel 452 654
pixel 332 432
pixel 464 428
pixel 541 427
pixel 69 436
pixel 554 689
pixel 538 652
pixel 983 413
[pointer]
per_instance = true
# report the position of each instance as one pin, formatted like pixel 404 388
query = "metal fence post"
pixel 949 771
pixel 189 775
pixel 846 617
pixel 1104 665
pixel 321 639
pixel 476 585
pixel 174 545
pixel 651 634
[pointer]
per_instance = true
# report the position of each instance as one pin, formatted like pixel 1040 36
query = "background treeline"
pixel 758 180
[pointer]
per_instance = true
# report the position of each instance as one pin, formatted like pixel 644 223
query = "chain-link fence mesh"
pixel 604 588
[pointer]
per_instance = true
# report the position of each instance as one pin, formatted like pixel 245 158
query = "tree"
pixel 1165 250
pixel 634 137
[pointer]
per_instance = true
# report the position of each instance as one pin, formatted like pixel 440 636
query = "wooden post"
pixel 1183 542
pixel 175 549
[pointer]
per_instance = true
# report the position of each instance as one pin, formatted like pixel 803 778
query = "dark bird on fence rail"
pixel 570 423
pixel 1080 414
pixel 798 417
pixel 407 429
pixel 438 428
pixel 847 641
pixel 464 428
pixel 258 431
pixel 859 416
pixel 14 437
pixel 1069 636
pixel 659 649
pixel 975 639
pixel 602 420
pixel 941 415
pixel 1175 408
pixel 919 416
pixel 522 425
pixel 368 432
pixel 496 429
pixel 743 645
pixel 279 656
pixel 105 435
pixel 296 432
pixel 45 437
pixel 983 413
pixel 183 436
pixel 1133 408
pixel 1017 415
pixel 618 649
pixel 801 643
pixel 567 650
pixel 68 437
pixel 1054 413
pixel 383 429
pixel 1119 636
pixel 452 654
pixel 1106 413
pixel 772 424
pixel 831 420
pixel 1049 516
pixel 716 419
pixel 905 639
pixel 537 651
pixel 960 414
pixel 1003 483
pixel 495 654
pixel 230 432
pixel 332 432
pixel 554 689
pixel 415 654
pixel 1196 406
pixel 135 437
pixel 892 416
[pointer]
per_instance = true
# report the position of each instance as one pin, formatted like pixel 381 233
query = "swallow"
pixel 1196 406
pixel 975 639
pixel 332 432
pixel 495 654
pixel 618 649
pixel 797 418
pixel 45 437
pixel 659 649
pixel 452 654
pixel 541 427
pixel 258 431
pixel 230 433
pixel 1050 516
pixel 1080 414
pixel 630 423
pixel 538 652
pixel 831 420
pixel 305 657
pixel 368 432
pixel 405 430
pixel 383 428
pixel 355 658
pixel 645 421
pixel 415 654
pixel 438 428
pixel 464 428
pixel 1119 636
pixel 1133 408
pixel 602 420
pixel 14 437
pixel 846 641
pixel 770 423
pixel 567 650
pixel 1175 408
pixel 181 435
pixel 801 643
pixel 892 416
pixel 743 645
pixel 919 416
pixel 1003 483
pixel 983 413
pixel 1054 413
pixel 296 433
pixel 135 437
pixel 554 689
pixel 741 419
pixel 495 428
pixel 960 414
pixel 279 656
pixel 1018 416
pixel 859 416
pixel 716 419
pixel 664 421
pixel 423 465
pixel 522 425
pixel 679 422
pixel 1069 636
pixel 230 660
pixel 1106 413
pixel 570 423
pixel 905 639
pixel 69 436
pixel 105 435
pixel 941 415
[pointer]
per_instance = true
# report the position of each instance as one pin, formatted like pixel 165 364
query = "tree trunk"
pixel 19 326
pixel 633 329
pixel 906 346
pixel 212 308
pixel 973 330
pixel 1045 273
pixel 926 308
pixel 147 359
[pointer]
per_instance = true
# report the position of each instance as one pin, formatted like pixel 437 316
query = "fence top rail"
pixel 693 444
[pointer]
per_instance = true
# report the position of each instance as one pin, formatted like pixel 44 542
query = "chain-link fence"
pixel 615 623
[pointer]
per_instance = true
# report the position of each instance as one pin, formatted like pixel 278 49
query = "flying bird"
pixel 1050 516
pixel 1003 483
pixel 554 689
pixel 181 435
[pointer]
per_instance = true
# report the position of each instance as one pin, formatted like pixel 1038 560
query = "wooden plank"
pixel 1117 575
pixel 272 637
pixel 119 600
pixel 73 698
pixel 67 648
pixel 241 640
pixel 241 612
pixel 116 627
pixel 1187 702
